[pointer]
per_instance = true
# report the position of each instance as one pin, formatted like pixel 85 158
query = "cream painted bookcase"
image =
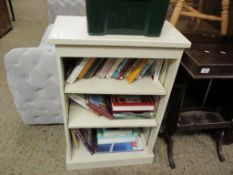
pixel 71 39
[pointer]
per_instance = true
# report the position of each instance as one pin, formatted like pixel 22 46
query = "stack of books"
pixel 133 106
pixel 119 69
pixel 118 106
pixel 118 140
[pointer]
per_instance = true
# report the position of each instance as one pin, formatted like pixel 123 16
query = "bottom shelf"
pixel 82 159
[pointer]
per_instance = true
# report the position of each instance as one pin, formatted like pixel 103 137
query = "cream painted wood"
pixel 73 31
pixel 145 86
pixel 81 158
pixel 115 52
pixel 80 117
pixel 70 43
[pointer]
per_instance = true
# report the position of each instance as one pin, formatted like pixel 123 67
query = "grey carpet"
pixel 39 150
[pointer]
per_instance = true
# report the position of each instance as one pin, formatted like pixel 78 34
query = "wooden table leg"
pixel 219 145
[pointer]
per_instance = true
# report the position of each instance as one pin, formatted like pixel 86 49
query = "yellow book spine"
pixel 136 70
pixel 86 67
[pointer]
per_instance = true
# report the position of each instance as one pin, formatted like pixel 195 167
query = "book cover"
pixel 146 68
pixel 86 137
pixel 133 115
pixel 114 67
pixel 125 69
pixel 76 71
pixel 86 67
pixel 109 132
pixel 121 147
pixel 136 70
pixel 101 105
pixel 74 139
pixel 106 68
pixel 80 99
pixel 93 69
pixel 156 68
pixel 119 68
pixel 131 67
pixel 133 103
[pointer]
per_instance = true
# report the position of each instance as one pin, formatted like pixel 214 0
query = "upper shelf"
pixel 72 30
pixel 144 86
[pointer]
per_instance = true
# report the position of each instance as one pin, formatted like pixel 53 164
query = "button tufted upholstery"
pixel 32 72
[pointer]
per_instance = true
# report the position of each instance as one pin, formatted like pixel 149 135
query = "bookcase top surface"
pixel 72 30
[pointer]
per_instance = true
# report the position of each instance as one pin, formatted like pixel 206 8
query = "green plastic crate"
pixel 129 17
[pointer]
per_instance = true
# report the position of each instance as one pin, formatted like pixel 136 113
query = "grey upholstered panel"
pixel 45 38
pixel 65 7
pixel 32 78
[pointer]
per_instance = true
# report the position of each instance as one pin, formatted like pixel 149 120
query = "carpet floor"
pixel 39 150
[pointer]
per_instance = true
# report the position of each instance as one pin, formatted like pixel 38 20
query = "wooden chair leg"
pixel 169 142
pixel 225 16
pixel 176 12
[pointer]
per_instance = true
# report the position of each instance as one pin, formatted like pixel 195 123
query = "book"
pixel 125 69
pixel 114 67
pixel 100 104
pixel 136 70
pixel 87 66
pixel 119 68
pixel 145 68
pixel 86 137
pixel 156 68
pixel 109 132
pixel 80 99
pixel 76 71
pixel 106 68
pixel 131 67
pixel 131 103
pixel 133 115
pixel 74 139
pixel 95 66
pixel 117 139
pixel 136 145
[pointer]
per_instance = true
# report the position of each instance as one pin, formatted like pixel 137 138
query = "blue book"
pixel 119 68
pixel 120 147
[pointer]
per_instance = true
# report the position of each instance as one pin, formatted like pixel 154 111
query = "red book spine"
pixel 149 102
pixel 100 111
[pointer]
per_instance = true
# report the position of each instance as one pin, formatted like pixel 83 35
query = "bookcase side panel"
pixel 169 79
pixel 64 102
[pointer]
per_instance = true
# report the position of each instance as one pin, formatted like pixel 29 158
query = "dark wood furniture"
pixel 12 10
pixel 5 22
pixel 210 58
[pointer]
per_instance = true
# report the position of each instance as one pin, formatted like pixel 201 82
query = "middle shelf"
pixel 145 86
pixel 80 117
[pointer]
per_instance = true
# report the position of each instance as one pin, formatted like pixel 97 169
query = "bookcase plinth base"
pixel 80 161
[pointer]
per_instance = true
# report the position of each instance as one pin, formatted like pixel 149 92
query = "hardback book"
pixel 74 139
pixel 93 69
pixel 117 139
pixel 136 70
pixel 156 68
pixel 133 115
pixel 121 147
pixel 86 136
pixel 119 68
pixel 125 69
pixel 106 68
pixel 109 132
pixel 76 71
pixel 86 67
pixel 114 67
pixel 145 68
pixel 131 103
pixel 100 104
pixel 80 99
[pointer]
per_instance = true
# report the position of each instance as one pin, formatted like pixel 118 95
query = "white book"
pixel 157 68
pixel 114 67
pixel 76 71
pixel 80 99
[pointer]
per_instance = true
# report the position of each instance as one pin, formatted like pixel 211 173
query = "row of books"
pixel 108 140
pixel 116 68
pixel 118 106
